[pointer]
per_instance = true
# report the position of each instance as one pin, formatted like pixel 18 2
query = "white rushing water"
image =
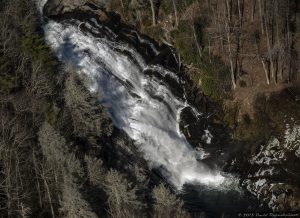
pixel 139 104
pixel 40 5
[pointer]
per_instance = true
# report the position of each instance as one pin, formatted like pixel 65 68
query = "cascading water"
pixel 40 5
pixel 143 101
pixel 139 104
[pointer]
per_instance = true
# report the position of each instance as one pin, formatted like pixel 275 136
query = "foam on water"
pixel 138 103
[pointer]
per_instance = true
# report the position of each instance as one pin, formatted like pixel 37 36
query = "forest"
pixel 61 155
pixel 257 40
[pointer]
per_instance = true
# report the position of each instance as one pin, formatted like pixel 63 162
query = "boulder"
pixel 271 178
pixel 58 7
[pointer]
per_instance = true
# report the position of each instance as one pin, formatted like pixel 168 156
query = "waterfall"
pixel 138 103
pixel 40 5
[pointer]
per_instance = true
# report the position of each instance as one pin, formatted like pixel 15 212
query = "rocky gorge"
pixel 267 176
pixel 149 108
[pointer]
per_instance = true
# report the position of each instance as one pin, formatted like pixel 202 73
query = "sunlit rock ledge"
pixel 272 175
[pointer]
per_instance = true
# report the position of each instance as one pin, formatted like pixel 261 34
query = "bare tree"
pixel 88 117
pixel 253 8
pixel 122 199
pixel 166 205
pixel 70 171
pixel 262 16
pixel 73 204
pixel 175 13
pixel 229 41
pixel 153 12
pixel 13 137
pixel 40 83
pixel 95 170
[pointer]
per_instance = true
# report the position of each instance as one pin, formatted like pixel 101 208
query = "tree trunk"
pixel 123 8
pixel 153 12
pixel 37 179
pixel 139 17
pixel 175 13
pixel 262 17
pixel 228 32
pixel 253 10
pixel 270 55
pixel 233 79
pixel 266 71
pixel 288 44
pixel 48 195
pixel 196 41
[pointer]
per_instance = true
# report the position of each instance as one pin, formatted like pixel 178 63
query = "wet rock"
pixel 55 7
pixel 277 196
pixel 192 126
pixel 292 138
pixel 273 174
pixel 59 7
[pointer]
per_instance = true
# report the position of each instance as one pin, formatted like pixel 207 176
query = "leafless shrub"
pixel 167 205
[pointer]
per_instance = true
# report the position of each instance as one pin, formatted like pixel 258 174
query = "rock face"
pixel 273 175
pixel 59 7
pixel 55 7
